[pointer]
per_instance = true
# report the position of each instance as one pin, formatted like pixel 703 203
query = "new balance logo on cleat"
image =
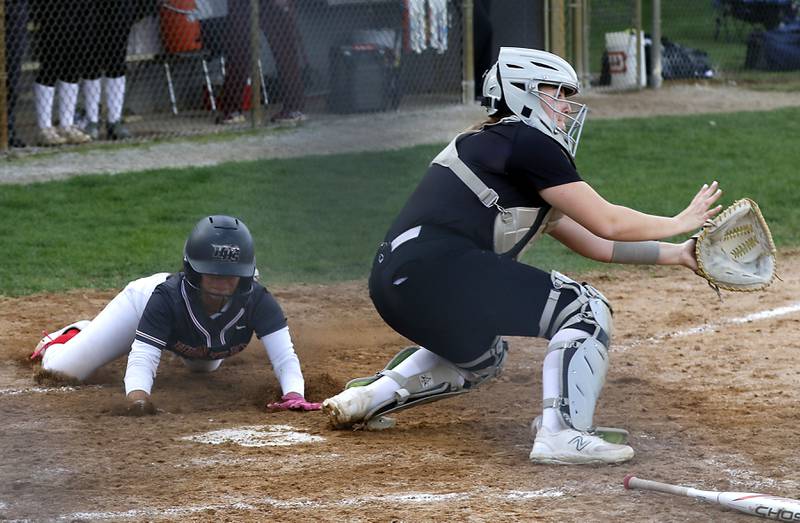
pixel 579 442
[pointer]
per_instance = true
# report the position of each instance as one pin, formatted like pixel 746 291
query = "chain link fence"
pixel 86 70
pixel 731 41
pixel 79 71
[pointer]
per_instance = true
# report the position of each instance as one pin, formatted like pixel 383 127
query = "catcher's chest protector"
pixel 515 228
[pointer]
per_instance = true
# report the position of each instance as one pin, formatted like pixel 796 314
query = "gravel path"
pixel 329 134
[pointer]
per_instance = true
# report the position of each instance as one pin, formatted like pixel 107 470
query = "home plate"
pixel 256 436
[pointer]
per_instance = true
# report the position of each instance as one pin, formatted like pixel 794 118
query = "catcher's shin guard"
pixel 441 381
pixel 396 360
pixel 584 357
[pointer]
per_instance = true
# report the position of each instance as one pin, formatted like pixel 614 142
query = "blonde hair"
pixel 491 120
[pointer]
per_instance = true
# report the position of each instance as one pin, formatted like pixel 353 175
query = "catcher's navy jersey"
pixel 174 319
pixel 510 157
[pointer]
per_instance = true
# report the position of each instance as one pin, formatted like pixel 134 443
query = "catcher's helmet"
pixel 220 245
pixel 521 73
pixel 493 92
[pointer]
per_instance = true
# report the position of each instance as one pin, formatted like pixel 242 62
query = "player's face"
pixel 219 285
pixel 556 108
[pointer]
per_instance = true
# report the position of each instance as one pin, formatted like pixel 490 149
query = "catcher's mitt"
pixel 735 250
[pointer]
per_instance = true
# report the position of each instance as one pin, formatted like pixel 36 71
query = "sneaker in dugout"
pixel 234 118
pixel 74 135
pixel 48 136
pixel 348 407
pixel 92 129
pixel 574 447
pixel 117 131
pixel 288 117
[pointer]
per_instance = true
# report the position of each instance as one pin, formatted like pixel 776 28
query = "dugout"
pixel 422 75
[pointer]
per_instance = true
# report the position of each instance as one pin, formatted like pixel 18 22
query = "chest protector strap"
pixel 514 228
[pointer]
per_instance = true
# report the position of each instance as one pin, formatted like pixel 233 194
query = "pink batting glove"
pixel 293 401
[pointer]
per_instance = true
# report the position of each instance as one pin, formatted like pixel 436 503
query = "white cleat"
pixel 609 434
pixel 50 339
pixel 348 407
pixel 573 447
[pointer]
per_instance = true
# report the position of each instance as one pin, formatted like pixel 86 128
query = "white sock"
pixel 422 360
pixel 115 98
pixel 91 99
pixel 43 100
pixel 551 378
pixel 67 99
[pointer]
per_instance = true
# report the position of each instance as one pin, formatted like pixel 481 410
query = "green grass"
pixel 319 219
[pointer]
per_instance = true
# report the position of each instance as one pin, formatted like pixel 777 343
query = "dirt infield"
pixel 707 389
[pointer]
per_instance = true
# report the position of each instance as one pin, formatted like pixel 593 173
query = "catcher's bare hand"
pixel 700 210
pixel 687 254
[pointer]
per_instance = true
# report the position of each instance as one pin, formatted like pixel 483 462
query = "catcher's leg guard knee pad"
pixel 486 366
pixel 583 356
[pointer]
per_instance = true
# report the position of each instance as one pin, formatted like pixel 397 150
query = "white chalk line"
pixel 410 498
pixel 44 390
pixel 740 476
pixel 713 326
pixel 226 461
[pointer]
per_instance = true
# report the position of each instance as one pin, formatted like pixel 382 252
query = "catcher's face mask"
pixel 566 116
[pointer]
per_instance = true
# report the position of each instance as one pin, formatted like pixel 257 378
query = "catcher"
pixel 447 275
pixel 204 314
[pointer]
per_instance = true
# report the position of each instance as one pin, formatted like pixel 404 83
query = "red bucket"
pixel 180 33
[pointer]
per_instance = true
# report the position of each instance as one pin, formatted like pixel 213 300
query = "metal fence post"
pixel 577 41
pixel 255 56
pixel 558 44
pixel 587 17
pixel 468 54
pixel 3 82
pixel 655 48
pixel 546 18
pixel 637 23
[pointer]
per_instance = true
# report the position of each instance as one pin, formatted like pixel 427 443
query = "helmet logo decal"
pixel 225 253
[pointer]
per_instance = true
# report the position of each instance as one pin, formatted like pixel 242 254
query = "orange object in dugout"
pixel 180 31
